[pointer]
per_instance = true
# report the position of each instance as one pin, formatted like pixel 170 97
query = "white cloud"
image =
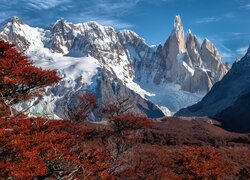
pixel 229 15
pixel 103 20
pixel 107 12
pixel 207 20
pixel 111 7
pixel 114 23
pixel 44 4
pixel 242 51
pixel 247 6
pixel 226 55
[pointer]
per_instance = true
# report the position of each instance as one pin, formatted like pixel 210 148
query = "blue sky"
pixel 225 22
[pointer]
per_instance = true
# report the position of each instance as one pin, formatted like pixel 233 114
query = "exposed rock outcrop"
pixel 228 100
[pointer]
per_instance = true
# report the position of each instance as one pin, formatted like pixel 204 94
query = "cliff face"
pixel 228 100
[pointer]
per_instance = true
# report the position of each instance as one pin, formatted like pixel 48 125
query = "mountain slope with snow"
pixel 92 57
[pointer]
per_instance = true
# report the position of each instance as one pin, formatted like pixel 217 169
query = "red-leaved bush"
pixel 19 79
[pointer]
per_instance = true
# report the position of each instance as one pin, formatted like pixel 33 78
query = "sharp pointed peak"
pixel 206 41
pixel 61 20
pixel 177 22
pixel 177 25
pixel 14 19
pixel 94 23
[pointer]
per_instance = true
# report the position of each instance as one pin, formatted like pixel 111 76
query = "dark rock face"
pixel 228 100
pixel 237 116
pixel 109 89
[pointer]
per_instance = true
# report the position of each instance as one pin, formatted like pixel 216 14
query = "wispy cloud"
pixel 226 55
pixel 107 12
pixel 120 7
pixel 44 4
pixel 242 51
pixel 40 12
pixel 246 6
pixel 233 33
pixel 229 15
pixel 206 20
pixel 103 20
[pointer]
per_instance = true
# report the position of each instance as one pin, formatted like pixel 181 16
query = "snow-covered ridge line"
pixel 109 63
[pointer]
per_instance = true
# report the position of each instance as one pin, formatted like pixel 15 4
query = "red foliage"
pixel 130 122
pixel 34 147
pixel 50 149
pixel 148 162
pixel 96 162
pixel 84 104
pixel 38 148
pixel 19 79
pixel 201 162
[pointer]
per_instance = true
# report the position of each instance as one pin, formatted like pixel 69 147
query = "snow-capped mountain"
pixel 228 100
pixel 113 64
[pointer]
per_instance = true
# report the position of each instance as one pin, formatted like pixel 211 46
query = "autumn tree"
pixel 129 121
pixel 201 163
pixel 116 108
pixel 79 106
pixel 148 162
pixel 19 79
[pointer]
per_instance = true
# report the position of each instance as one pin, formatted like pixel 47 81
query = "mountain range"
pixel 161 79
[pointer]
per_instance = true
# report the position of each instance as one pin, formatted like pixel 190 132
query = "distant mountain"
pixel 229 99
pixel 113 64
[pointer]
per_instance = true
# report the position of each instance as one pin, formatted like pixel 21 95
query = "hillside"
pixel 125 147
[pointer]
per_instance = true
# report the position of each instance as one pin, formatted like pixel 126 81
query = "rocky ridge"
pixel 228 100
pixel 181 68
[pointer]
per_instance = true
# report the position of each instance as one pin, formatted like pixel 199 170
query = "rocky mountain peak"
pixel 177 36
pixel 177 23
pixel 212 60
pixel 16 32
pixel 130 37
pixel 206 42
pixel 189 32
pixel 15 20
pixel 193 47
pixel 208 47
pixel 61 22
pixel 12 23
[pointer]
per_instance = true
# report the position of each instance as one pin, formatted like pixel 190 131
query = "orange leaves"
pixel 28 145
pixel 201 162
pixel 96 162
pixel 19 79
pixel 38 148
pixel 130 122
pixel 7 80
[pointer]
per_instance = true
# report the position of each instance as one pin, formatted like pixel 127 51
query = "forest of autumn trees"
pixel 126 146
